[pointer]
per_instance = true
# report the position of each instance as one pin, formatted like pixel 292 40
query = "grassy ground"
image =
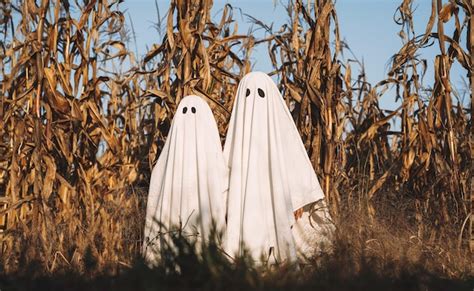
pixel 387 261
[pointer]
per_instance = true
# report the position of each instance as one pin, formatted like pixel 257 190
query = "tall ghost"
pixel 271 175
pixel 189 181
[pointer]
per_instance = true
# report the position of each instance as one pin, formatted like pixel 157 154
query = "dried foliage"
pixel 79 133
pixel 63 195
pixel 196 56
pixel 421 168
pixel 311 79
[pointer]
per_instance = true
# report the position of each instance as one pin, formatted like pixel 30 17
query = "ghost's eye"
pixel 185 109
pixel 193 110
pixel 261 93
pixel 247 93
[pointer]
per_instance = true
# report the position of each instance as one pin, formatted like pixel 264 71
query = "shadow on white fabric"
pixel 271 175
pixel 189 181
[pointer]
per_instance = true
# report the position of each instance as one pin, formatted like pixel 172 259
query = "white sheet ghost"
pixel 271 175
pixel 189 182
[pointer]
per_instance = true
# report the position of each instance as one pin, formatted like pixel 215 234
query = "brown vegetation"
pixel 79 134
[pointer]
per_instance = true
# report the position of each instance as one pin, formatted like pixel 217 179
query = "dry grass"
pixel 79 134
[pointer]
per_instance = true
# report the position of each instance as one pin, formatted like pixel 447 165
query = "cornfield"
pixel 83 119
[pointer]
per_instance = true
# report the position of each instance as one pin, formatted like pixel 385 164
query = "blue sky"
pixel 366 25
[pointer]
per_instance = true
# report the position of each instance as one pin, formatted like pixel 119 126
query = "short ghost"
pixel 271 175
pixel 189 182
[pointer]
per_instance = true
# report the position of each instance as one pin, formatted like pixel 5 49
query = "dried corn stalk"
pixel 75 128
pixel 310 77
pixel 197 56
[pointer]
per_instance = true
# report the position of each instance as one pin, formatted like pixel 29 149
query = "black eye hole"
pixel 193 110
pixel 247 93
pixel 261 93
pixel 185 109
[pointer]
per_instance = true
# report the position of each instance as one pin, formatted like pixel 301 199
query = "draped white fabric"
pixel 189 182
pixel 270 172
pixel 313 232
